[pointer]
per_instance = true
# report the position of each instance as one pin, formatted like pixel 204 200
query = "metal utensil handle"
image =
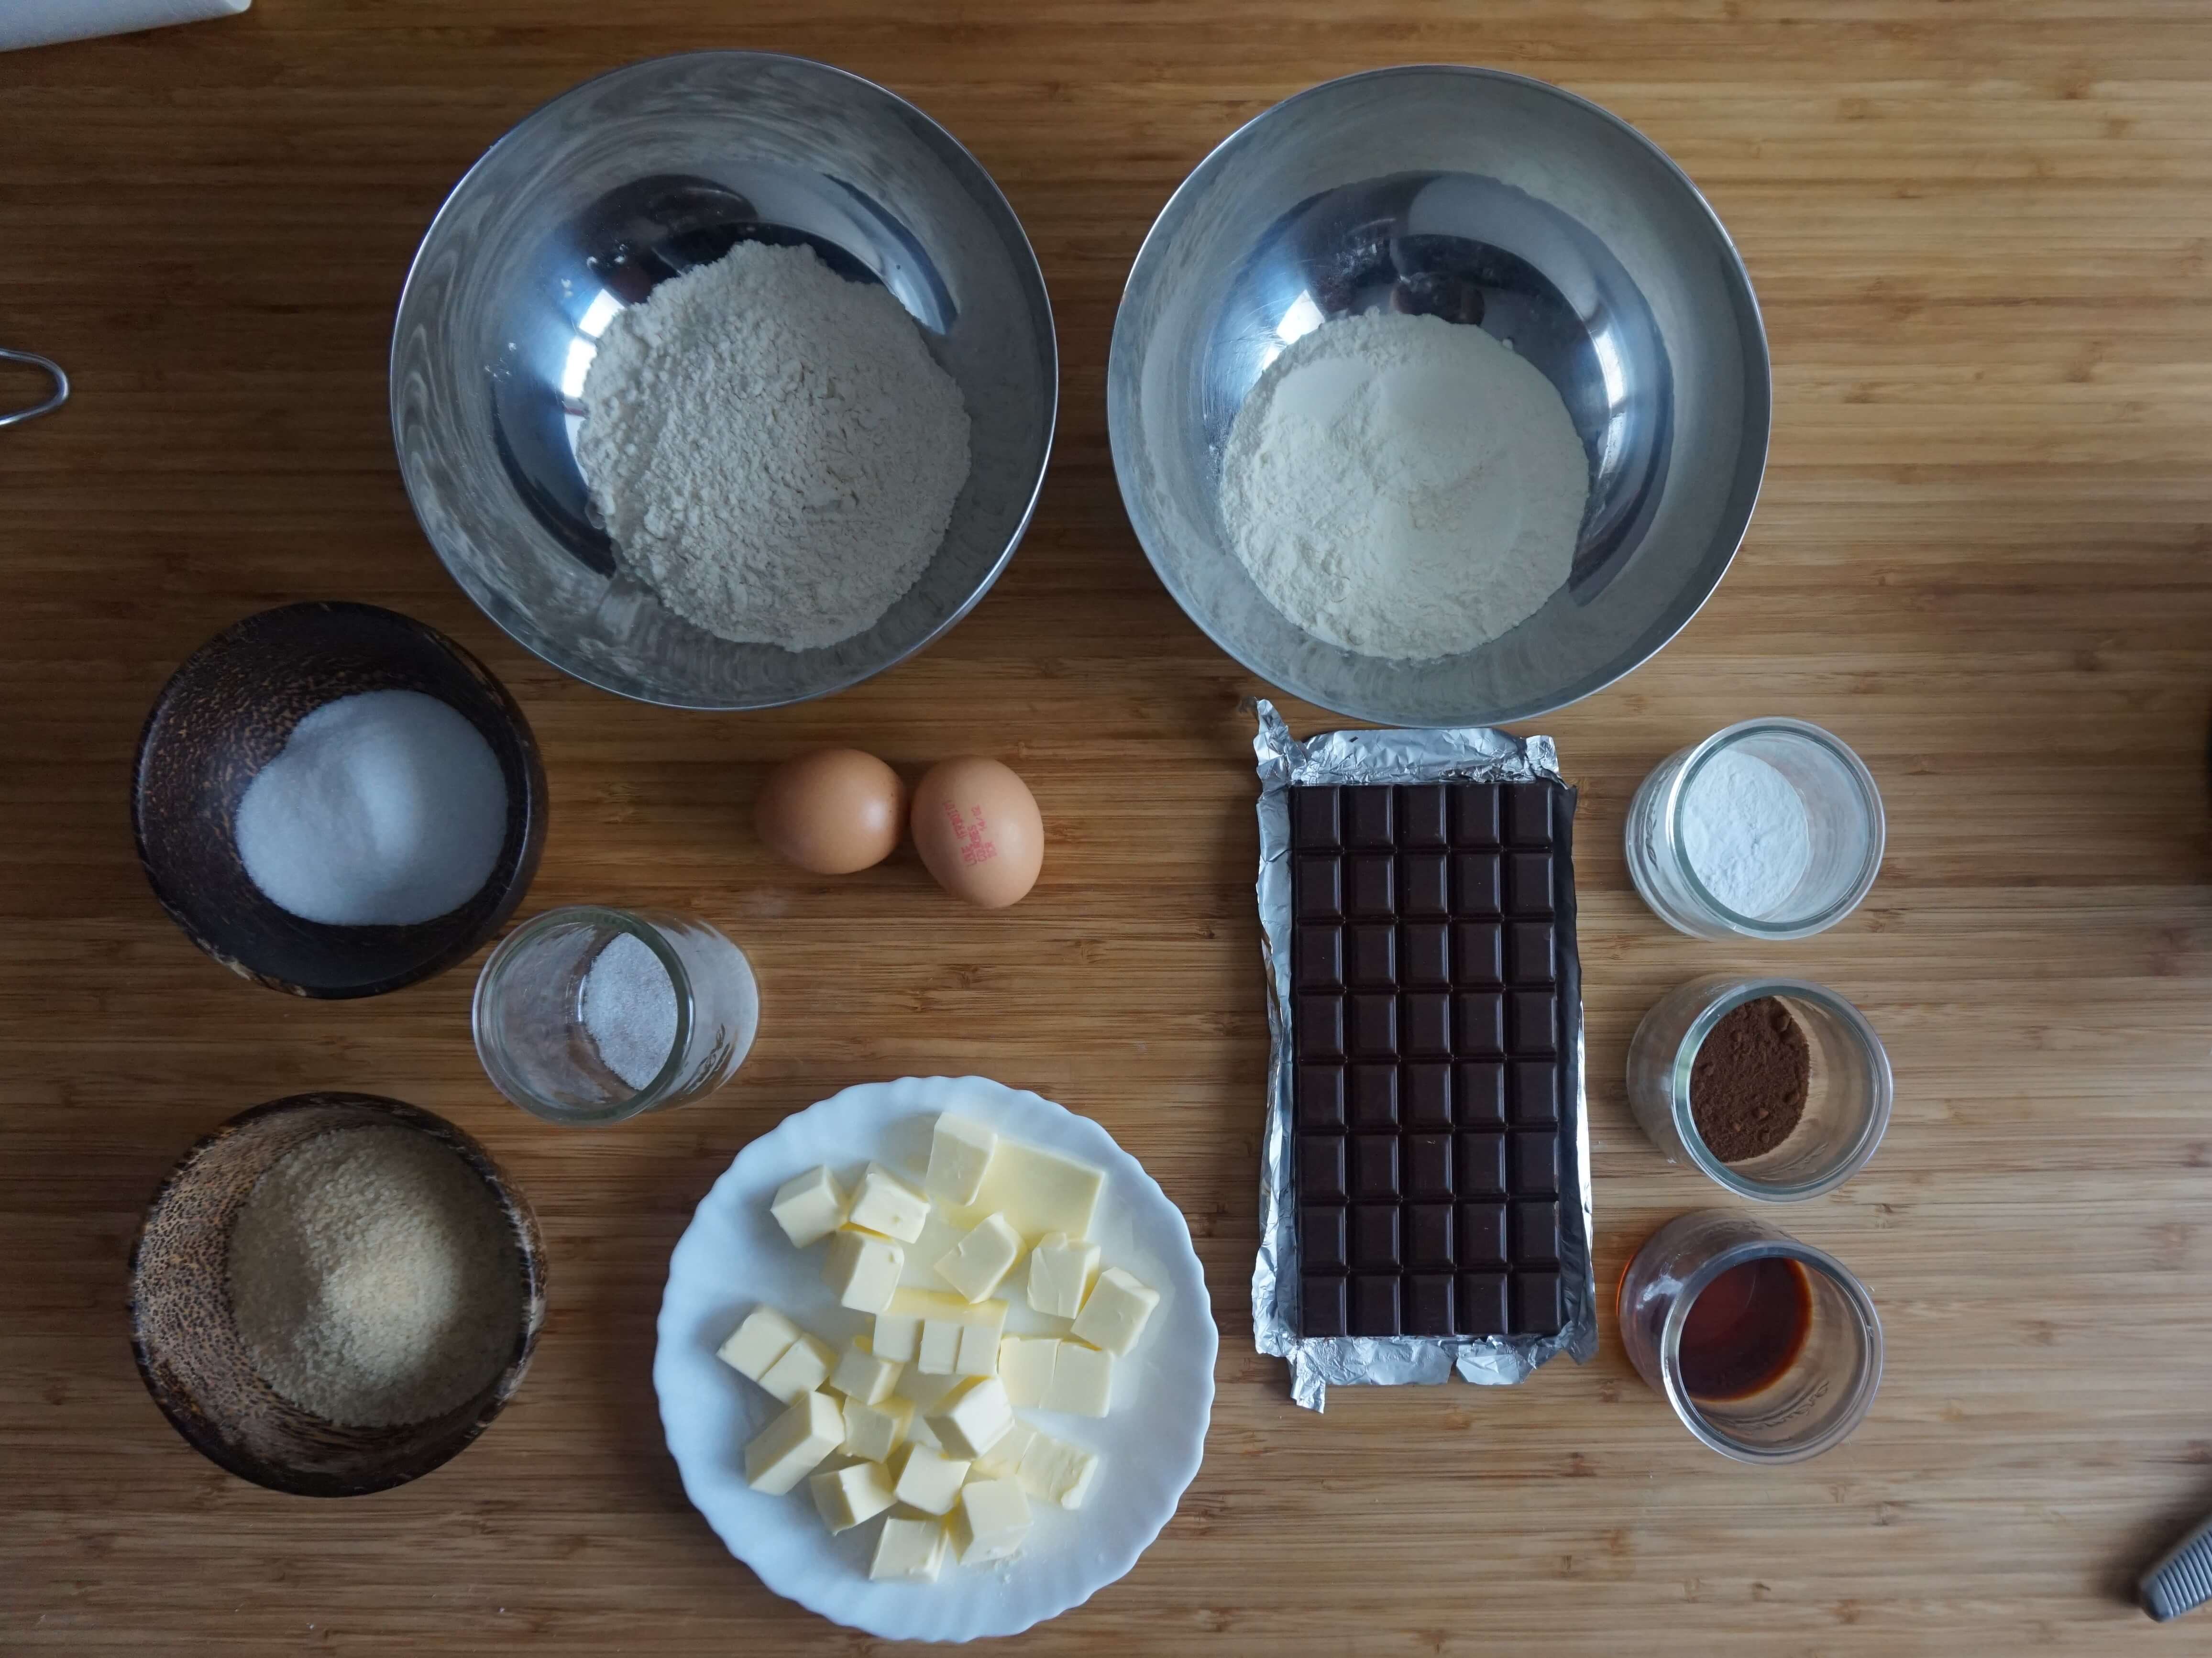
pixel 60 394
pixel 2181 1581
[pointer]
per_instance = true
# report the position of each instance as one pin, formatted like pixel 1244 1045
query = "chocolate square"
pixel 1538 1309
pixel 1535 1163
pixel 1426 1093
pixel 1374 1167
pixel 1479 1093
pixel 1367 815
pixel 1529 953
pixel 1429 1235
pixel 1480 1235
pixel 1528 883
pixel 1481 1165
pixel 1428 1304
pixel 1318 1026
pixel 1321 1166
pixel 1476 884
pixel 1321 1238
pixel 1535 1093
pixel 1375 1237
pixel 1479 1024
pixel 1317 955
pixel 1476 957
pixel 1535 1023
pixel 1370 886
pixel 1424 955
pixel 1372 955
pixel 1422 821
pixel 1528 814
pixel 1374 1098
pixel 1422 888
pixel 1321 1099
pixel 1317 888
pixel 1373 1025
pixel 1474 815
pixel 1320 1305
pixel 1375 1304
pixel 1428 1024
pixel 1479 1306
pixel 1536 1235
pixel 1313 818
pixel 1428 1166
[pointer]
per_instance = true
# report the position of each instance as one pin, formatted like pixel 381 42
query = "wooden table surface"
pixel 1979 233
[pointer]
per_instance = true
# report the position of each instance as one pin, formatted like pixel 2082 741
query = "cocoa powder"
pixel 1748 1082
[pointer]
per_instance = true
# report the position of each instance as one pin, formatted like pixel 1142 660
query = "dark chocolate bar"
pixel 1434 985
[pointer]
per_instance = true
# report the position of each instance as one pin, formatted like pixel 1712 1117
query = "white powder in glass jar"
pixel 1745 834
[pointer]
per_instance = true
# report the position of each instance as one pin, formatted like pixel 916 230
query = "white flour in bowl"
pixel 772 448
pixel 1404 487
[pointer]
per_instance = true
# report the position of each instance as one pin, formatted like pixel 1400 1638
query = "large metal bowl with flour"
pixel 639 176
pixel 1485 198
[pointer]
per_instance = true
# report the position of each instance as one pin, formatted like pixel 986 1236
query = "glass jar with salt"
pixel 590 1014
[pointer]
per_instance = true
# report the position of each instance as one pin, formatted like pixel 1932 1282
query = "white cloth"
pixel 42 22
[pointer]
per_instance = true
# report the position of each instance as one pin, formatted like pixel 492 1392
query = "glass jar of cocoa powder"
pixel 1776 1089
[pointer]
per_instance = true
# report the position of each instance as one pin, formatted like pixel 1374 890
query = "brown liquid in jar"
pixel 1746 1329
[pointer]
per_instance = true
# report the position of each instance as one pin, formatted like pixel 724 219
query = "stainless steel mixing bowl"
pixel 635 177
pixel 1486 198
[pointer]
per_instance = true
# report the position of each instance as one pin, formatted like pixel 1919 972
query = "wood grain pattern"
pixel 1978 233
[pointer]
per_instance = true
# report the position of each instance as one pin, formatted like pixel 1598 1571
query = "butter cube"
pixel 940 1347
pixel 952 1338
pixel 1082 1380
pixel 790 1448
pixel 991 1523
pixel 804 1367
pixel 882 1203
pixel 976 1264
pixel 1056 1471
pixel 809 1207
pixel 973 1418
pixel 1040 1192
pixel 1060 1270
pixel 979 1342
pixel 764 1337
pixel 923 1390
pixel 874 1431
pixel 863 1270
pixel 1004 1459
pixel 899 1327
pixel 850 1496
pixel 1025 1364
pixel 959 1152
pixel 1113 1317
pixel 912 1549
pixel 862 1375
pixel 928 1478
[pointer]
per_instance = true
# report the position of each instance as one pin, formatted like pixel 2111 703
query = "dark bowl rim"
pixel 1032 278
pixel 536 791
pixel 530 1249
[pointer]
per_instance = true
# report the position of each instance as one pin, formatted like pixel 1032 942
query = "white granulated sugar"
pixel 630 1009
pixel 387 808
pixel 1745 832
pixel 1404 487
pixel 374 1278
pixel 772 448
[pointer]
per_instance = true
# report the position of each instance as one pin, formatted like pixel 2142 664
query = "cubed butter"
pixel 862 1271
pixel 1114 1316
pixel 874 1431
pixel 792 1446
pixel 979 1261
pixel 928 1478
pixel 979 1342
pixel 808 1206
pixel 1040 1192
pixel 1082 1380
pixel 991 1521
pixel 764 1337
pixel 973 1418
pixel 924 1390
pixel 884 1203
pixel 1060 1270
pixel 959 1152
pixel 911 1549
pixel 940 1347
pixel 1025 1364
pixel 850 1496
pixel 1056 1472
pixel 1004 1459
pixel 804 1367
pixel 861 1374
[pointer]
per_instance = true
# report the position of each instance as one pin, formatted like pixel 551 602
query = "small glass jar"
pixel 1814 1400
pixel 573 1048
pixel 1843 833
pixel 1847 1102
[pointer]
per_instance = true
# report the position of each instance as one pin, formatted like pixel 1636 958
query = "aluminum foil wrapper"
pixel 1477 755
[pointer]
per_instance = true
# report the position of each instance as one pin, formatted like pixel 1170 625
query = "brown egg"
pixel 976 827
pixel 832 811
